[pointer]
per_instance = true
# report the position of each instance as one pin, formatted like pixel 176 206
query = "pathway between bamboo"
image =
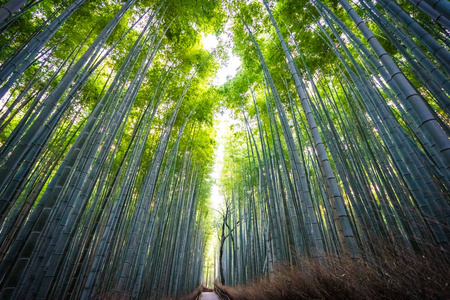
pixel 209 296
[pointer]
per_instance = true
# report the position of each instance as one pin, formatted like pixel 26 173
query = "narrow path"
pixel 209 296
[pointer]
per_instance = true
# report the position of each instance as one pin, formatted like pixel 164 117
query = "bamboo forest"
pixel 224 149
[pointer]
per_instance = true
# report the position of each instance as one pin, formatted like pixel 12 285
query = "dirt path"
pixel 209 296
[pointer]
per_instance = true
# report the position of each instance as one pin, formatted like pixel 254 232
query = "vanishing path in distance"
pixel 209 296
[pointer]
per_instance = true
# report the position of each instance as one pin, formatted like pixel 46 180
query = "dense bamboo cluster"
pixel 336 162
pixel 107 200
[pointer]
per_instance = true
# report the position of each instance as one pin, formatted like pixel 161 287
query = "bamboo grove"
pixel 343 142
pixel 107 140
pixel 107 145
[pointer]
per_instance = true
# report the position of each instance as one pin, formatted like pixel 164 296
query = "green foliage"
pixel 385 167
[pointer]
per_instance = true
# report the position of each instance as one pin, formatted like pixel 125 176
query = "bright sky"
pixel 210 42
pixel 223 120
pixel 222 124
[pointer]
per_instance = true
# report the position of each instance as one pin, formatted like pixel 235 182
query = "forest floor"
pixel 400 275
